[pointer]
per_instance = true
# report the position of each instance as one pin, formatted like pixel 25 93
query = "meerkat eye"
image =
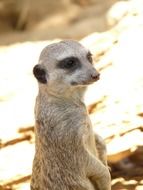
pixel 89 57
pixel 71 63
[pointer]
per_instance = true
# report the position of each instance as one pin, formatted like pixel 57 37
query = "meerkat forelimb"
pixel 101 149
pixel 68 156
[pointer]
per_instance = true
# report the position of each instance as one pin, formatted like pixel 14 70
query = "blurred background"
pixel 22 20
pixel 113 31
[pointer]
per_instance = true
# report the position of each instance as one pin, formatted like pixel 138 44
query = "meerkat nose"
pixel 95 76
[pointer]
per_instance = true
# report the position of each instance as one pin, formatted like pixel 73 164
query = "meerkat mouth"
pixel 86 82
pixel 82 83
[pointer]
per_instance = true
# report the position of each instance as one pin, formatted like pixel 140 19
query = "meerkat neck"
pixel 74 95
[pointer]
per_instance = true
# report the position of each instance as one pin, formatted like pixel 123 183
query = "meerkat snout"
pixel 95 77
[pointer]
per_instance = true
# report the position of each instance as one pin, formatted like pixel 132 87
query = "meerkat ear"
pixel 40 73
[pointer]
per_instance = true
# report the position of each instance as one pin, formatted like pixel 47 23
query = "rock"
pixel 117 12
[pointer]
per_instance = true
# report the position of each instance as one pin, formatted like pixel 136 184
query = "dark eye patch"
pixel 89 57
pixel 70 63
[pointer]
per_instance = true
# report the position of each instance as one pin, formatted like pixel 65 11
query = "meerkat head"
pixel 65 65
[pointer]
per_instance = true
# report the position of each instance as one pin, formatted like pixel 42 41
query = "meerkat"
pixel 68 155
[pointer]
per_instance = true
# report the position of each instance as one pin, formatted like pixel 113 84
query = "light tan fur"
pixel 69 156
